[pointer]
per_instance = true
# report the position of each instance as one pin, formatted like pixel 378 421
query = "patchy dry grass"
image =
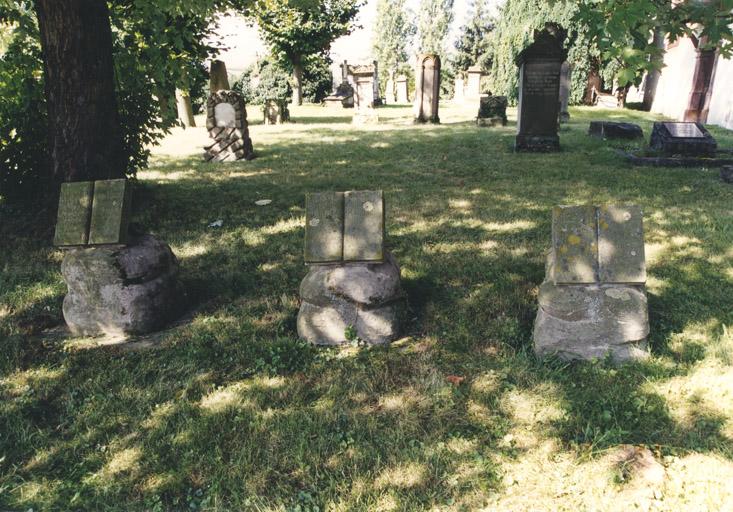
pixel 230 412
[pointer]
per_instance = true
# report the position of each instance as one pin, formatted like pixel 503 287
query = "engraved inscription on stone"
pixel 363 226
pixel 225 115
pixel 574 244
pixel 684 130
pixel 110 212
pixel 75 209
pixel 541 79
pixel 324 230
pixel 621 245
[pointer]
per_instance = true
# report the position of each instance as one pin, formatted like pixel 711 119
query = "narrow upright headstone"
pixel 539 90
pixel 364 94
pixel 473 87
pixel 74 214
pixel 377 99
pixel 427 88
pixel 459 87
pixel 363 226
pixel 324 231
pixel 110 212
pixel 565 72
pixel 402 94
pixel 218 78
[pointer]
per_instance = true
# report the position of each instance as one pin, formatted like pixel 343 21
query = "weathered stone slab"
pixel 492 111
pixel 687 139
pixel 726 173
pixel 74 214
pixel 574 244
pixel 363 226
pixel 110 212
pixel 615 130
pixel 324 228
pixel 621 256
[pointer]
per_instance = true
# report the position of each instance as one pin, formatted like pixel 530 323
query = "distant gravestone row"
pixel 226 121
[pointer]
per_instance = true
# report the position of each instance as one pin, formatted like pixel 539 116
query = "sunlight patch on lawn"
pixel 153 175
pixel 699 482
pixel 284 226
pixel 401 476
pixel 159 415
pixel 122 461
pixel 460 204
pixel 223 398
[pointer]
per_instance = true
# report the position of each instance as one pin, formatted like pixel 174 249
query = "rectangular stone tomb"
pixel 597 245
pixel 93 213
pixel 688 139
pixel 344 226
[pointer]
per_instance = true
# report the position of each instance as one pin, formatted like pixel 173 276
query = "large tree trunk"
pixel 652 77
pixel 85 138
pixel 185 110
pixel 297 83
pixel 698 103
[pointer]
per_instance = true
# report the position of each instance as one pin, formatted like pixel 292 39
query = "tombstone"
pixel 389 92
pixel 343 95
pixel 565 71
pixel 687 139
pixel 492 111
pixel 427 88
pixel 275 112
pixel 226 121
pixel 473 87
pixel 375 84
pixel 353 284
pixel 593 301
pixel 218 77
pixel 459 88
pixel 364 99
pixel 118 283
pixel 726 173
pixel 402 93
pixel 615 130
pixel 539 89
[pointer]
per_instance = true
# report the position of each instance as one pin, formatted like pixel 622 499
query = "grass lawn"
pixel 229 411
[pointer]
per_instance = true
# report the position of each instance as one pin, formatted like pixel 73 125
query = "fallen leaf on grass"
pixel 455 379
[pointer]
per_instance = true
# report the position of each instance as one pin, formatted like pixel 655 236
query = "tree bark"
pixel 297 83
pixel 85 137
pixel 185 110
pixel 652 77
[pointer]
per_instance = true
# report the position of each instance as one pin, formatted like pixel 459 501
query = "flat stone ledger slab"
pixel 115 290
pixel 593 300
pixel 93 213
pixel 539 88
pixel 687 139
pixel 344 227
pixel 615 130
pixel 364 298
pixel 226 121
pixel 427 89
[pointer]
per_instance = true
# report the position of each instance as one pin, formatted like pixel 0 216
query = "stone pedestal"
pixel 365 298
pixel 342 97
pixel 402 95
pixel 275 112
pixel 226 121
pixel 539 89
pixel 473 86
pixel 132 289
pixel 593 302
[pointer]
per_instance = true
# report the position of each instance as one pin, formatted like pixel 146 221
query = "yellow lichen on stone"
pixel 573 239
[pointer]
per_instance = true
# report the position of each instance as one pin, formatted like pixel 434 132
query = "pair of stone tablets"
pixel 598 245
pixel 93 213
pixel 344 227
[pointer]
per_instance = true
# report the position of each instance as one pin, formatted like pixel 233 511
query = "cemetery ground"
pixel 227 410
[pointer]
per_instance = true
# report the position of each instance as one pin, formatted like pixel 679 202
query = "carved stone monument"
pixel 615 130
pixel 343 96
pixel 565 73
pixel 459 89
pixel 593 301
pixel 275 112
pixel 402 93
pixel 365 100
pixel 539 89
pixel 427 88
pixel 117 283
pixel 353 288
pixel 218 77
pixel 389 92
pixel 687 139
pixel 473 86
pixel 226 121
pixel 492 111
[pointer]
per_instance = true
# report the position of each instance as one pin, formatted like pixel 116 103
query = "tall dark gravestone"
pixel 539 88
pixel 427 88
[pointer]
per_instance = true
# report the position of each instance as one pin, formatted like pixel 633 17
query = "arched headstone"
pixel 427 88
pixel 226 120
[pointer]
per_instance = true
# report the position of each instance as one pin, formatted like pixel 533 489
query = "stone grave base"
pixel 361 118
pixel 654 160
pixel 229 144
pixel 491 121
pixel 537 143
pixel 592 321
pixel 564 117
pixel 365 297
pixel 132 289
pixel 615 130
pixel 726 173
